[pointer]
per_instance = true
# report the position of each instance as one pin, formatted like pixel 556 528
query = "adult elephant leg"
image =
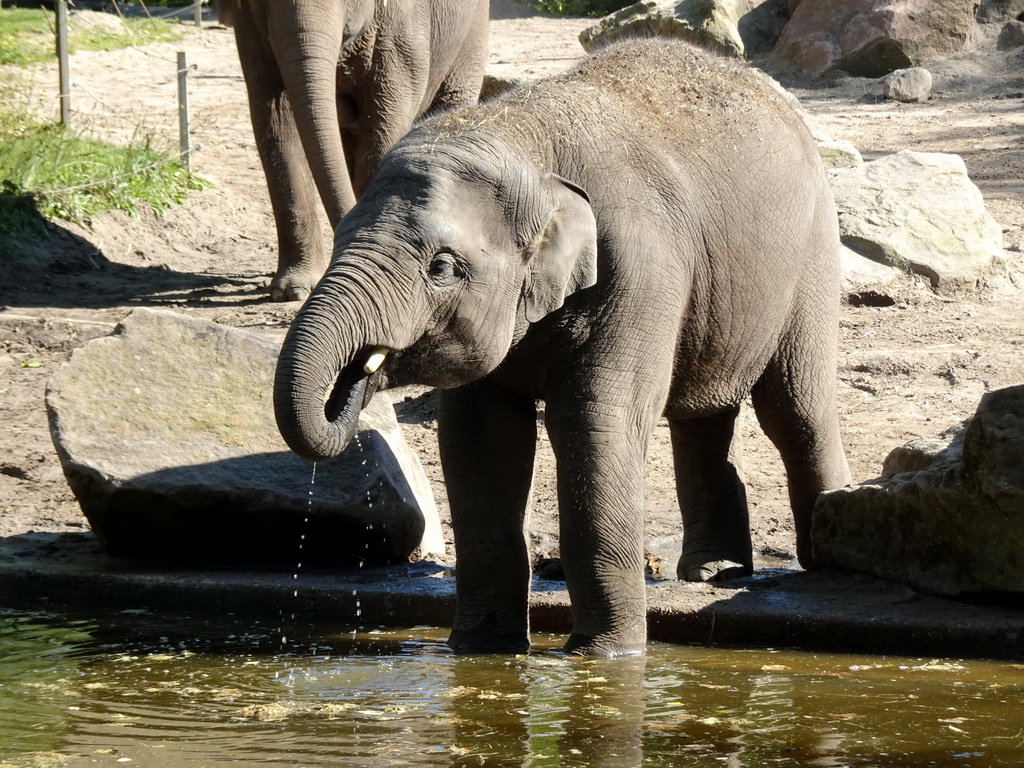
pixel 488 439
pixel 600 451
pixel 301 254
pixel 795 402
pixel 712 498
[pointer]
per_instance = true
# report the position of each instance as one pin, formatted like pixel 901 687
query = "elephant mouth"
pixel 355 386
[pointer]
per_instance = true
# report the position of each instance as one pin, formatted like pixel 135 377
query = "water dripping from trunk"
pixel 298 560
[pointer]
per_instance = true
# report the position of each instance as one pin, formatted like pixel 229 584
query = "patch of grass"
pixel 50 173
pixel 28 35
pixel 596 8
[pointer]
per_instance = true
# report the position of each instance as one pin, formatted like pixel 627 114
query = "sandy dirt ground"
pixel 908 369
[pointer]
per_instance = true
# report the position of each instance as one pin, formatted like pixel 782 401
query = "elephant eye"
pixel 445 269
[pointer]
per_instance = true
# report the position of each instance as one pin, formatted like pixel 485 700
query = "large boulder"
pixel 871 38
pixel 919 212
pixel 760 23
pixel 946 517
pixel 1011 36
pixel 166 433
pixel 711 24
pixel 992 11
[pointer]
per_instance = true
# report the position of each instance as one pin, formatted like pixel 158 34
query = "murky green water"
pixel 162 692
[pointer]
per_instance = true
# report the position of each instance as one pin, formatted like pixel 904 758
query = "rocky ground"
pixel 912 363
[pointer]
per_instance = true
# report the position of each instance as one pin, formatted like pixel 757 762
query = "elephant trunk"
pixel 309 68
pixel 321 383
pixel 333 358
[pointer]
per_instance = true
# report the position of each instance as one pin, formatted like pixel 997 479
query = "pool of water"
pixel 164 691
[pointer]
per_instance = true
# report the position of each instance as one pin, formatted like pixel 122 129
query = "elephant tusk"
pixel 375 360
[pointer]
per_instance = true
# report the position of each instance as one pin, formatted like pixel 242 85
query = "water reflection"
pixel 143 690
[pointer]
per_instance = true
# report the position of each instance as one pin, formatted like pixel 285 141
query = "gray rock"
pixel 859 272
pixel 926 452
pixel 950 522
pixel 908 85
pixel 711 24
pixel 166 434
pixel 920 213
pixel 838 154
pixel 992 11
pixel 760 23
pixel 1011 36
pixel 870 38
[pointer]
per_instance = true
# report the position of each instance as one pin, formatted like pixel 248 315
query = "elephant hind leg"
pixel 795 402
pixel 712 498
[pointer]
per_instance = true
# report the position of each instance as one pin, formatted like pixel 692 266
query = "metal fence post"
pixel 183 130
pixel 62 62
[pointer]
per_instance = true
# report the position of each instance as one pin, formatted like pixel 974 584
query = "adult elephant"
pixel 332 85
pixel 650 233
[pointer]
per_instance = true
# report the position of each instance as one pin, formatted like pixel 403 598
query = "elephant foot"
pixel 288 294
pixel 605 647
pixel 478 641
pixel 804 553
pixel 294 284
pixel 713 571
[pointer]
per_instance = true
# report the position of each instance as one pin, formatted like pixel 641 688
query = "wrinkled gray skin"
pixel 651 233
pixel 332 85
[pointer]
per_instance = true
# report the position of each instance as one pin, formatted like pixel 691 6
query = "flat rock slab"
pixel 166 433
pixel 810 611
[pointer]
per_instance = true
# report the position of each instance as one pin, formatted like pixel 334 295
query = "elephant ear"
pixel 563 259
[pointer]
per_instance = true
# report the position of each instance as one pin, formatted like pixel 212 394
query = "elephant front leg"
pixel 488 439
pixel 600 454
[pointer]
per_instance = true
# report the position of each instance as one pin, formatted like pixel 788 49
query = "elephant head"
pixel 454 249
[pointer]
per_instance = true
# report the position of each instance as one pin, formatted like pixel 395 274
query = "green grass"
pixel 27 35
pixel 50 174
pixel 48 171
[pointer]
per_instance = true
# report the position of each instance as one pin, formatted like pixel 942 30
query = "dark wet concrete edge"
pixel 791 609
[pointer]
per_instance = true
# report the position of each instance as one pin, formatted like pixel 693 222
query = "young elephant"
pixel 332 85
pixel 651 233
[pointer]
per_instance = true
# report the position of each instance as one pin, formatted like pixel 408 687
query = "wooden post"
pixel 62 62
pixel 199 13
pixel 183 130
